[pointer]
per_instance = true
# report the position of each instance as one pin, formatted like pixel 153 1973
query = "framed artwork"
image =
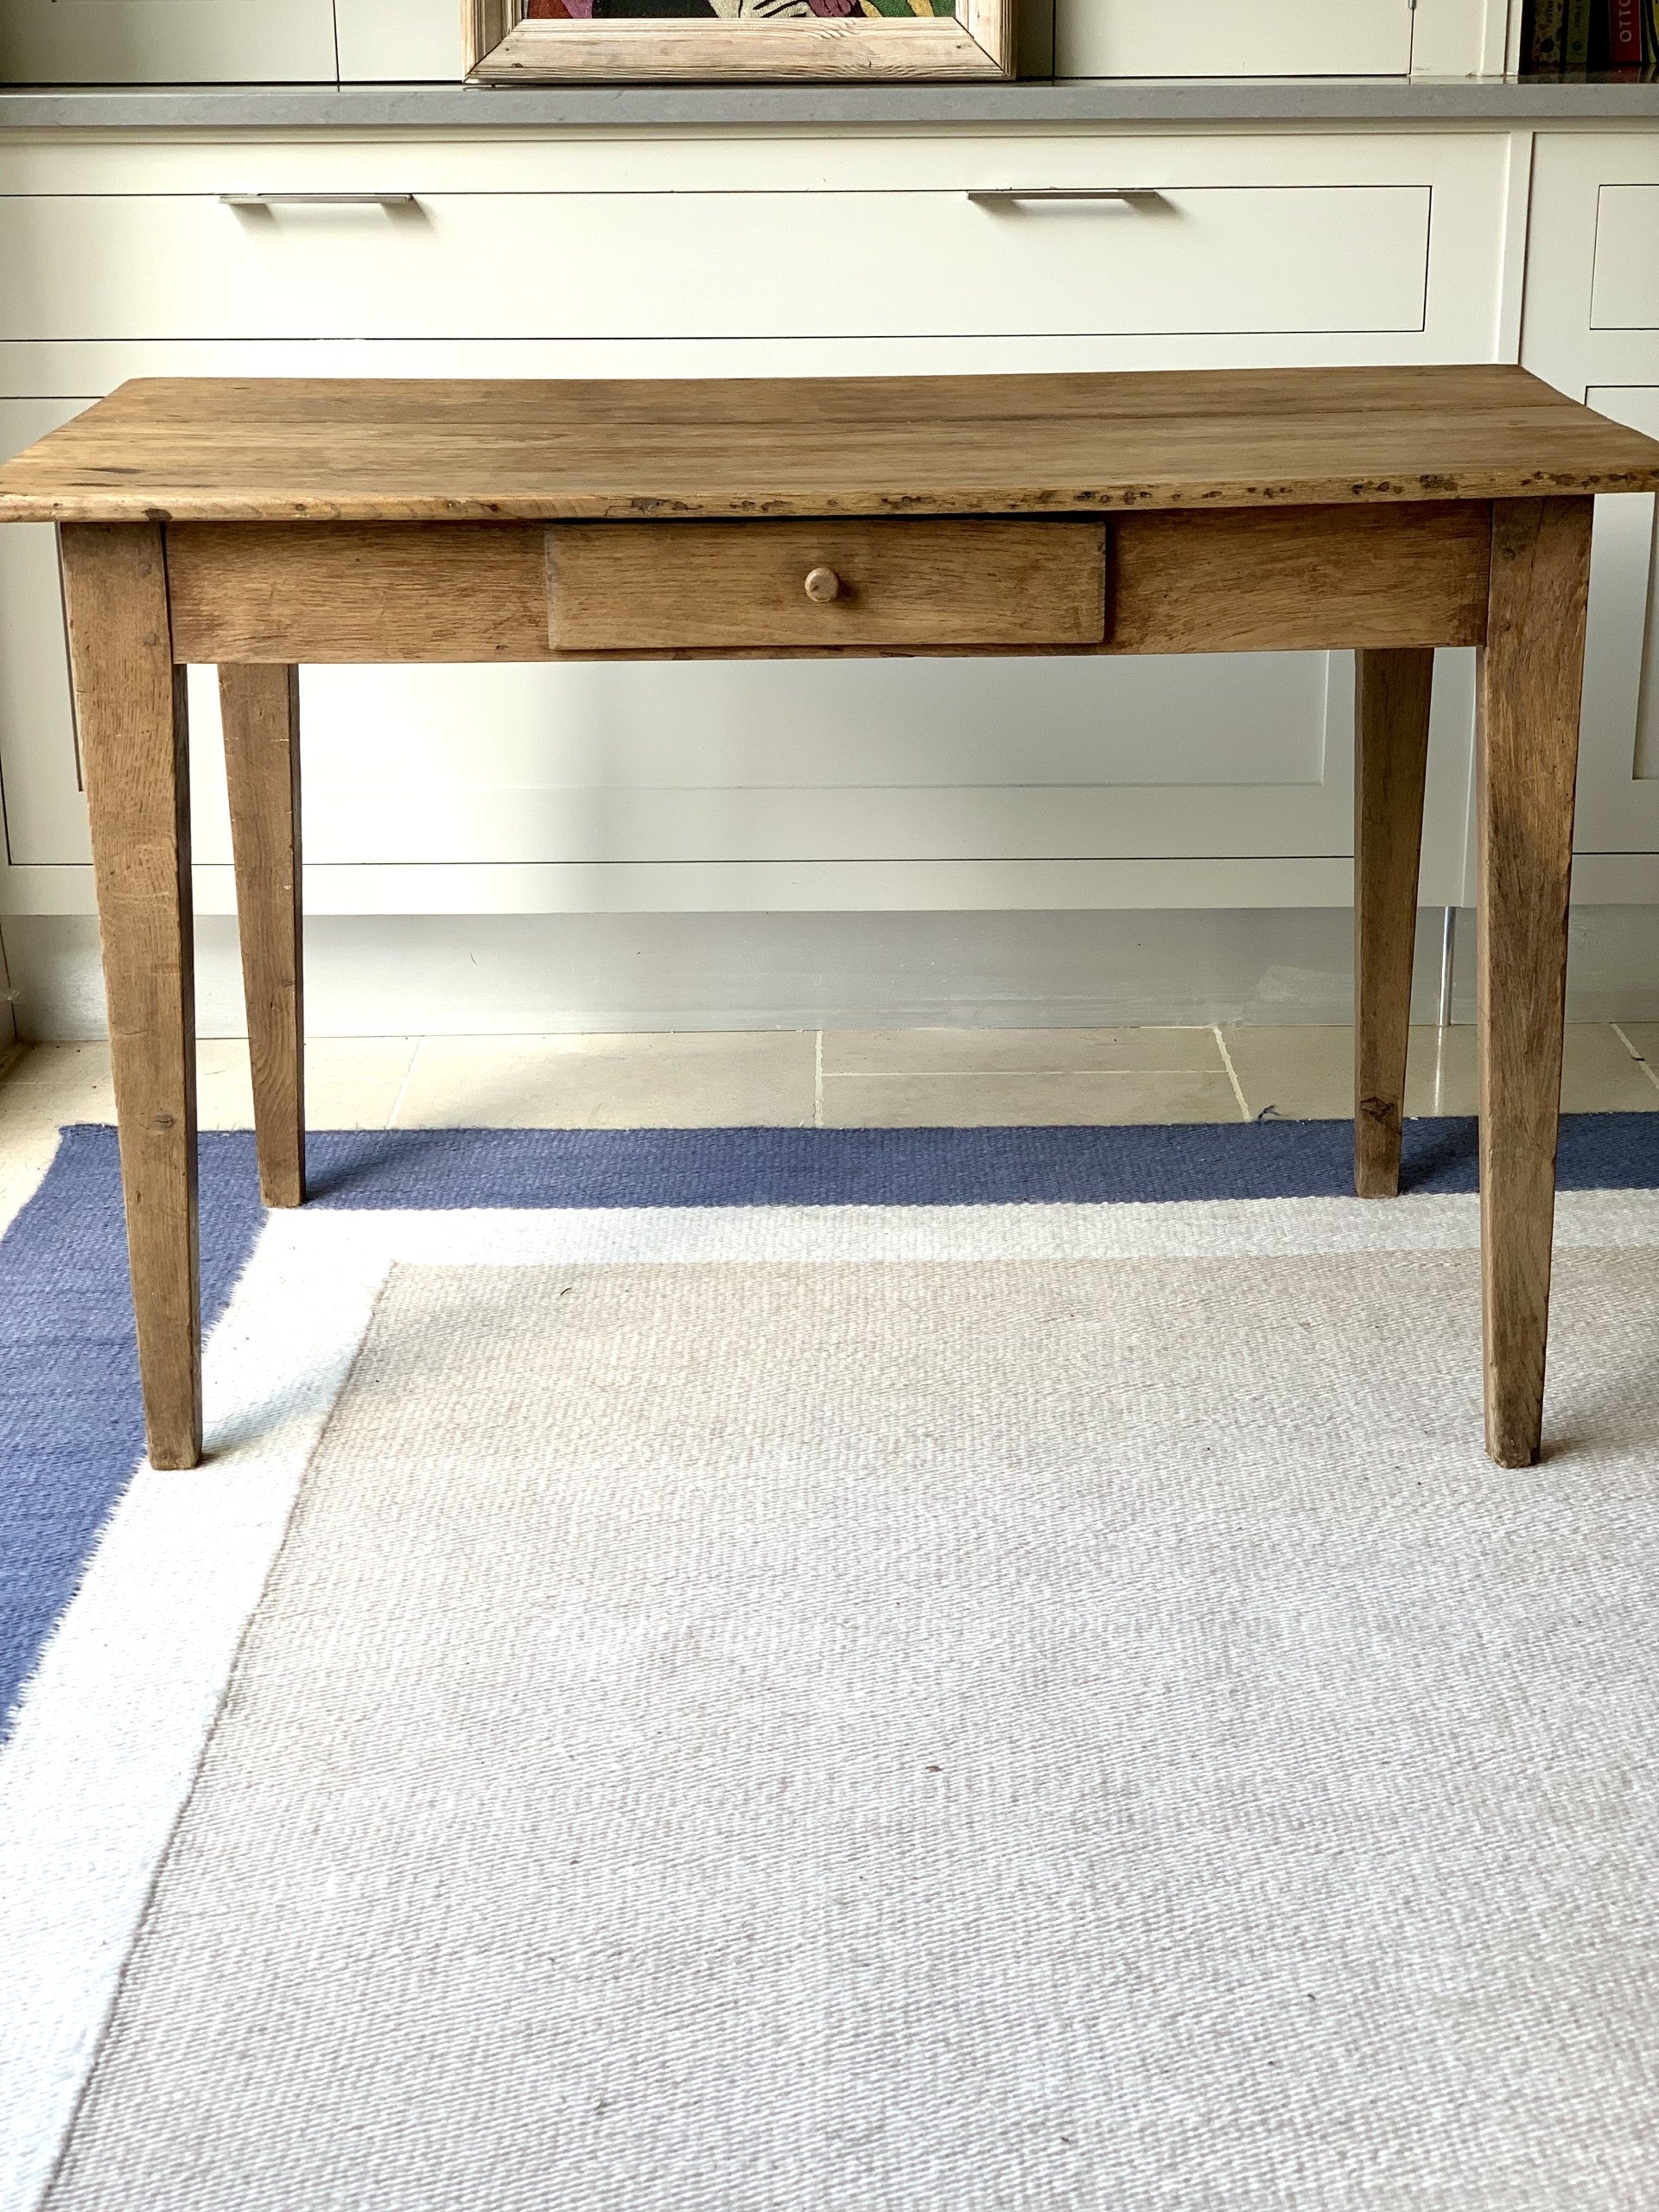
pixel 529 41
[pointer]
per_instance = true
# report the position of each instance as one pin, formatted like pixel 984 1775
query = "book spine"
pixel 1624 35
pixel 1548 22
pixel 1575 57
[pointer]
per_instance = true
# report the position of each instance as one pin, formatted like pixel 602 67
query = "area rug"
pixel 962 1671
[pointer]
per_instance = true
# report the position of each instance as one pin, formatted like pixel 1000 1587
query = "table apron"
pixel 1242 580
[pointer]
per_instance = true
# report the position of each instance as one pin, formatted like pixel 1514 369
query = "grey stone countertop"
pixel 1137 100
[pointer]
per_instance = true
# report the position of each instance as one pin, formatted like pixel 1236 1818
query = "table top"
pixel 278 448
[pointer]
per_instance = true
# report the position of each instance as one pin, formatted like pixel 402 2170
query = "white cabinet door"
pixel 1592 260
pixel 1216 781
pixel 1618 760
pixel 1236 258
pixel 1232 38
pixel 40 778
pixel 166 42
pixel 1591 327
pixel 778 761
pixel 1624 291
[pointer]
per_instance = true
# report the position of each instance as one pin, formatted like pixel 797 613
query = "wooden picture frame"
pixel 504 47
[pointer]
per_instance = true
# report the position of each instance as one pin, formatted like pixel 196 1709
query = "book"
pixel 1575 44
pixel 1544 47
pixel 1624 35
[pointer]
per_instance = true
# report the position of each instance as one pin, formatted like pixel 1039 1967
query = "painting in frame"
pixel 646 42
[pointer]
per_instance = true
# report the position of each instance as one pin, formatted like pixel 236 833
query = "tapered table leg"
pixel 261 710
pixel 1532 679
pixel 130 712
pixel 1391 760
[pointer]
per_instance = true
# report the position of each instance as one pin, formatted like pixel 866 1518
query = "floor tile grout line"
pixel 403 1088
pixel 1641 1058
pixel 77 1089
pixel 1232 1072
pixel 1006 1074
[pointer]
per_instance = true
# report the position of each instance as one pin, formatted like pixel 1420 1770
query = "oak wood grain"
pixel 358 592
pixel 130 706
pixel 993 24
pixel 1250 579
pixel 1532 682
pixel 484 24
pixel 260 708
pixel 1393 691
pixel 1287 580
pixel 615 586
pixel 446 450
pixel 723 52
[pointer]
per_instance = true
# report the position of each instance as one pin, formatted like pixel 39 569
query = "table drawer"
pixel 737 587
pixel 1625 295
pixel 1190 258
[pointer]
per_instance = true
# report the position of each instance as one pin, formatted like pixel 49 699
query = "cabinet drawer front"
pixel 1193 259
pixel 622 587
pixel 1626 291
pixel 1232 38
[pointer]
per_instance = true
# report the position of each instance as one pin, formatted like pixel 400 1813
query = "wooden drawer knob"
pixel 822 584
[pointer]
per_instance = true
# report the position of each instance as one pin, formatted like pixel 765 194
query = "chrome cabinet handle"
pixel 995 193
pixel 317 199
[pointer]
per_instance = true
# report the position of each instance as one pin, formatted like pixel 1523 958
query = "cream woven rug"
pixel 912 1726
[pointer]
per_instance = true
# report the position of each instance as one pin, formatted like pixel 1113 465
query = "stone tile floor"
pixel 889 1078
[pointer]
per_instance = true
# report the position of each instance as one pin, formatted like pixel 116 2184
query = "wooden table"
pixel 261 524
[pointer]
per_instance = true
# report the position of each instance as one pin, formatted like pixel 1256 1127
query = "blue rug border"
pixel 1143 1164
pixel 70 1428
